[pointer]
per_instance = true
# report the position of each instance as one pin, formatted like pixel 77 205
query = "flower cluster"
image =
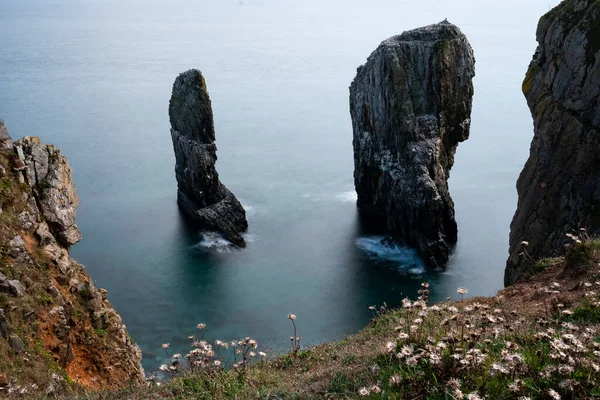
pixel 203 357
pixel 468 344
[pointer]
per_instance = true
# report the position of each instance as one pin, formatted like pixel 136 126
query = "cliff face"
pixel 559 188
pixel 54 322
pixel 410 106
pixel 200 193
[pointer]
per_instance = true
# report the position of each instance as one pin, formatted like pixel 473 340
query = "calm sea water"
pixel 94 77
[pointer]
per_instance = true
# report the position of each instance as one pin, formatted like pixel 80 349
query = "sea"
pixel 94 77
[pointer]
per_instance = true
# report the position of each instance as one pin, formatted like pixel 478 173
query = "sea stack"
pixel 411 106
pixel 559 187
pixel 200 194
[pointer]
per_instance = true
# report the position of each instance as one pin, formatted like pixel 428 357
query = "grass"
pixel 582 253
pixel 534 340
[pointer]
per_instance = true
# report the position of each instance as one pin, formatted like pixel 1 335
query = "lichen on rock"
pixel 410 106
pixel 558 187
pixel 200 194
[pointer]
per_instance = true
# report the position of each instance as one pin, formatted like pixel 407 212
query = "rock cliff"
pixel 200 193
pixel 410 106
pixel 56 326
pixel 559 188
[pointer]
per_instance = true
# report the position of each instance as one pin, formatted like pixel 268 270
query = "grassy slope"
pixel 529 339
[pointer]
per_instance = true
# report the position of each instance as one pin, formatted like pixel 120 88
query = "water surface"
pixel 94 77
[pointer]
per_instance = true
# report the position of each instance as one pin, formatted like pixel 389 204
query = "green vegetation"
pixel 545 263
pixel 6 194
pixel 45 299
pixel 581 253
pixel 510 346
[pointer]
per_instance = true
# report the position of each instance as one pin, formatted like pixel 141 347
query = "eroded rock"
pixel 200 193
pixel 559 188
pixel 51 178
pixel 410 106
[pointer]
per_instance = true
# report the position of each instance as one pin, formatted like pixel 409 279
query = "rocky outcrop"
pixel 51 178
pixel 200 194
pixel 47 294
pixel 559 188
pixel 410 106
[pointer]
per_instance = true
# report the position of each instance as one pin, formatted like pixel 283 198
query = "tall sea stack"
pixel 200 194
pixel 559 187
pixel 411 106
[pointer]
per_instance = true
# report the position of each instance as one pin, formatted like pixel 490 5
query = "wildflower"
pixel 425 285
pixel 364 392
pixel 524 243
pixel 291 316
pixel 473 396
pixel 462 291
pixel 567 312
pixel 515 386
pixel 375 389
pixel 395 380
pixel 177 356
pixel 201 326
pixel 164 368
pixel 454 383
pixel 217 363
pixel 554 394
pixel 406 350
pixel 403 336
pixel 391 346
pixel 165 345
pixel 458 394
pixel 434 359
pixel 370 308
pixel 252 354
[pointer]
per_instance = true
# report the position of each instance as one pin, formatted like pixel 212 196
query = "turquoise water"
pixel 94 77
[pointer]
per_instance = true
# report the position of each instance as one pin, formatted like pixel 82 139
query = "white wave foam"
pixel 347 197
pixel 403 258
pixel 250 211
pixel 214 241
pixel 249 237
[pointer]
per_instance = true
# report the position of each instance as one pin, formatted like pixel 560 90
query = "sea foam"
pixel 404 259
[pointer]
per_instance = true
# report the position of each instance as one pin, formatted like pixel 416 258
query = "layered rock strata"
pixel 200 193
pixel 410 106
pixel 51 309
pixel 559 188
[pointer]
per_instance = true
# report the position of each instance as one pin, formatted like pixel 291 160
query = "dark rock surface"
pixel 200 193
pixel 559 187
pixel 411 106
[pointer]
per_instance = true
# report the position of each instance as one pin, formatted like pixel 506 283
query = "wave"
pixel 403 259
pixel 250 210
pixel 214 241
pixel 347 197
